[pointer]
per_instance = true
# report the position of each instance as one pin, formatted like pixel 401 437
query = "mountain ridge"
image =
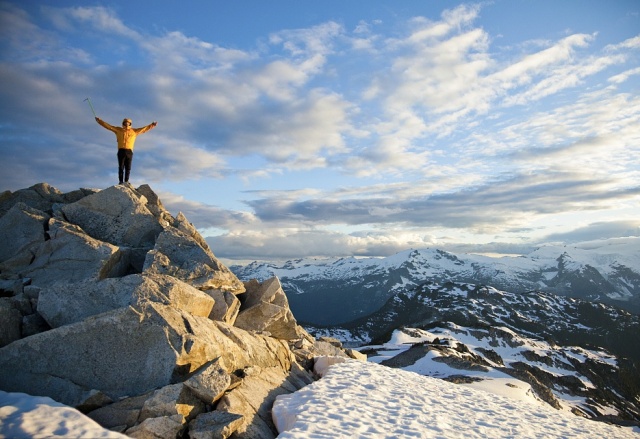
pixel 599 271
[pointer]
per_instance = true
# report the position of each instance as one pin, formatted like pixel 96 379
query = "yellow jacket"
pixel 126 136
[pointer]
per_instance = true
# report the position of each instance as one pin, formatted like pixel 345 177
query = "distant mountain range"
pixel 340 290
pixel 436 313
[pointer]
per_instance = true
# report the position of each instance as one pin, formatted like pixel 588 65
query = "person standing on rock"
pixel 126 136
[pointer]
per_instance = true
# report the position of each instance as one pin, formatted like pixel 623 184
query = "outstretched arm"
pixel 105 125
pixel 147 128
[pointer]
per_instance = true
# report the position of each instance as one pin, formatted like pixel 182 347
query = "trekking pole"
pixel 94 111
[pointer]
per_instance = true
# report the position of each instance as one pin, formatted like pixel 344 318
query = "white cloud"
pixel 624 76
pixel 316 40
pixel 103 20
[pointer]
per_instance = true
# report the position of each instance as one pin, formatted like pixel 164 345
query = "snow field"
pixel 26 416
pixel 365 400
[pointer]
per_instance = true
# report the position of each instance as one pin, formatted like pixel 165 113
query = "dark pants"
pixel 125 157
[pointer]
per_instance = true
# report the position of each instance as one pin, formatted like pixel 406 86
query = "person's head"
pixel 126 122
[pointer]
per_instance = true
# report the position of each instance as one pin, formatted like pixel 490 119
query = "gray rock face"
pixel 20 228
pixel 40 196
pixel 215 425
pixel 117 215
pixel 181 256
pixel 65 303
pixel 69 254
pixel 10 321
pixel 210 383
pixel 171 400
pixel 266 309
pixel 163 427
pixel 124 413
pixel 254 399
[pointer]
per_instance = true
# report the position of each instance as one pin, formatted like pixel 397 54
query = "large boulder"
pixel 265 308
pixel 130 351
pixel 254 398
pixel 117 215
pixel 65 303
pixel 209 383
pixel 69 254
pixel 21 228
pixel 181 256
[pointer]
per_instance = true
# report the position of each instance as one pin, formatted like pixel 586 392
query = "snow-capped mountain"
pixel 331 291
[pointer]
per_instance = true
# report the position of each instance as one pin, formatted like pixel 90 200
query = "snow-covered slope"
pixel 365 400
pixel 569 353
pixel 24 416
pixel 331 291
pixel 500 361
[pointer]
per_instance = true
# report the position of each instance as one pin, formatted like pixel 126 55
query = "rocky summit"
pixel 111 305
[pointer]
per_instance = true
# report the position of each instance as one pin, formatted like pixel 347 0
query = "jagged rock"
pixel 265 308
pixel 65 303
pixel 68 255
pixel 356 355
pixel 226 308
pixel 125 412
pixel 10 322
pixel 129 351
pixel 322 348
pixel 174 399
pixel 155 205
pixel 519 370
pixel 269 291
pixel 210 383
pixel 182 223
pixel 157 428
pixel 179 255
pixel 21 228
pixel 214 425
pixel 461 363
pixel 254 398
pixel 299 376
pixel 117 215
pixel 40 196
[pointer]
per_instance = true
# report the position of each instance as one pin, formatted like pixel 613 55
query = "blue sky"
pixel 290 129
